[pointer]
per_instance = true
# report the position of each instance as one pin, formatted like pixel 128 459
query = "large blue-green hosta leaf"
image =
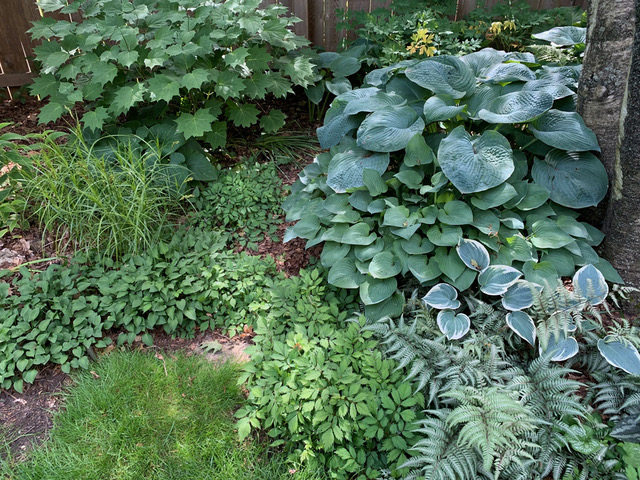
pixel 440 107
pixel 563 36
pixel 443 74
pixel 483 59
pixel 374 103
pixel 384 265
pixel 389 129
pixel 507 72
pixel 575 179
pixel 346 169
pixel 373 290
pixel 336 122
pixel 620 353
pixel 344 274
pixel 564 130
pixel 566 75
pixel 474 165
pixel 482 96
pixel 517 107
pixel 554 89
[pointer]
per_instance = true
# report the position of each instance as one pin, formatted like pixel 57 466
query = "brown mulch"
pixel 23 115
pixel 26 418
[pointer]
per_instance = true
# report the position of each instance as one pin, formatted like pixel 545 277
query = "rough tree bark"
pixel 609 101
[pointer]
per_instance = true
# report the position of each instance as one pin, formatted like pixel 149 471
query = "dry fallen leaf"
pixel 95 375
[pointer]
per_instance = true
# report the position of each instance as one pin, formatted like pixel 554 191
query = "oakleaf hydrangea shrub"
pixel 321 389
pixel 194 67
pixel 485 147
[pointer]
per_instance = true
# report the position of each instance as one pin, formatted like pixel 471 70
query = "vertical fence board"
pixel 15 45
pixel 300 9
pixel 316 22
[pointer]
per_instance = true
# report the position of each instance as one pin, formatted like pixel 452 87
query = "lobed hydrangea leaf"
pixel 195 125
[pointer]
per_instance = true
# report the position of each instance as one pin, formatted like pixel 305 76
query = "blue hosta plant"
pixel 195 67
pixel 485 147
pixel 547 315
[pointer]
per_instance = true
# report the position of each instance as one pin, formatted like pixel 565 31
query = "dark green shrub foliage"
pixel 321 388
pixel 482 147
pixel 197 65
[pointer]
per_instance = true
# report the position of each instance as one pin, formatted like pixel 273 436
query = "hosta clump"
pixel 484 147
pixel 545 314
pixel 193 66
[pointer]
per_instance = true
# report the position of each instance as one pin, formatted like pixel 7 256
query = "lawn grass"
pixel 140 416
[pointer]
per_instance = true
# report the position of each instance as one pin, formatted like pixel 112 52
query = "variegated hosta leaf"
pixel 575 179
pixel 620 353
pixel 563 348
pixel 452 325
pixel 389 129
pixel 473 254
pixel 496 279
pixel 474 165
pixel 440 107
pixel 442 296
pixel 521 323
pixel 517 107
pixel 590 284
pixel 564 130
pixel 443 74
pixel 519 296
pixel 346 169
pixel 563 36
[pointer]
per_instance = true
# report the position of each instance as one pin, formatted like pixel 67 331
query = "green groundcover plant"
pixel 485 147
pixel 321 389
pixel 192 67
pixel 61 314
pixel 245 201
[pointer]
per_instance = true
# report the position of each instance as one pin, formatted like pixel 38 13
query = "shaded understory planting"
pixel 459 322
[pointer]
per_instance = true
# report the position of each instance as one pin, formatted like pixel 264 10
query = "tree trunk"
pixel 609 101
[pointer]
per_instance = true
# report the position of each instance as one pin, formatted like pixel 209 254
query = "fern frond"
pixel 491 420
pixel 439 455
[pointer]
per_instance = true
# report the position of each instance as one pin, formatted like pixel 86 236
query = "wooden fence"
pixel 319 19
